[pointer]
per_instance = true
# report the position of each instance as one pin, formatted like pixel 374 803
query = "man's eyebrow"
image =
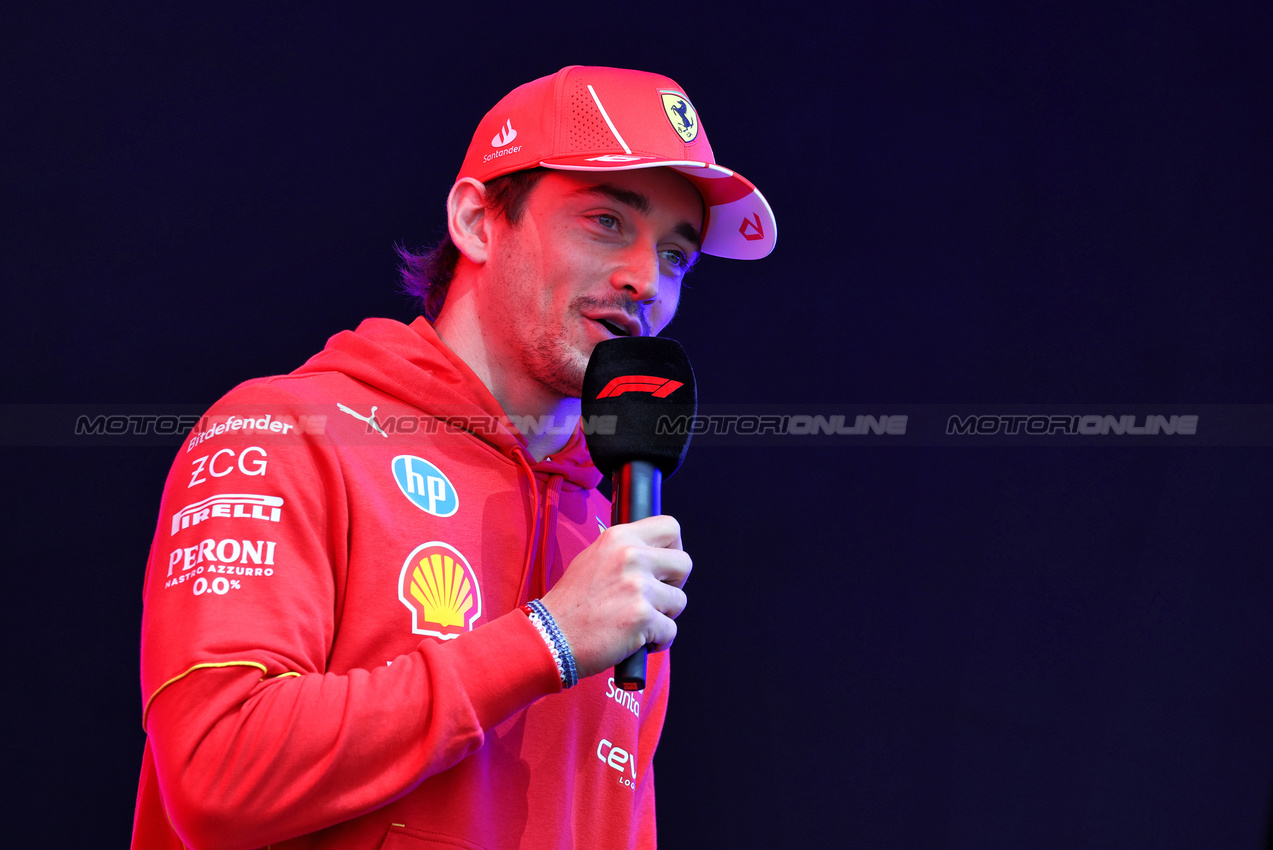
pixel 627 197
pixel 686 232
pixel 641 204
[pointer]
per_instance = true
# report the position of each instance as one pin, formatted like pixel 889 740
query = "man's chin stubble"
pixel 559 367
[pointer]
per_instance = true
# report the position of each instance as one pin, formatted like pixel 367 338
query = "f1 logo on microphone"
pixel 657 387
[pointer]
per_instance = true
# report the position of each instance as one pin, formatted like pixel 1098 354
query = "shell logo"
pixel 440 590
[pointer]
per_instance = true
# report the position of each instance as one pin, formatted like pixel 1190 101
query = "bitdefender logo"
pixel 657 387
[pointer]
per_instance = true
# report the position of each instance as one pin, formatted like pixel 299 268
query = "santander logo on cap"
pixel 505 135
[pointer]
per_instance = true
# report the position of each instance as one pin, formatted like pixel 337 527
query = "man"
pixel 382 600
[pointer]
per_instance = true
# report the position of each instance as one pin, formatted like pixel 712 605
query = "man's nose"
pixel 638 273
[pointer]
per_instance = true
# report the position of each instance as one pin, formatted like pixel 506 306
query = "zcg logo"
pixel 251 461
pixel 425 485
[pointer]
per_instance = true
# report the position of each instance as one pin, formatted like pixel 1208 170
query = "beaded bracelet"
pixel 556 641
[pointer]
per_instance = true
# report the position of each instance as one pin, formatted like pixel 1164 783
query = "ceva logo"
pixel 657 387
pixel 617 758
pixel 425 485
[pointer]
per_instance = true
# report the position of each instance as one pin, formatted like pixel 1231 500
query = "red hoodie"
pixel 333 653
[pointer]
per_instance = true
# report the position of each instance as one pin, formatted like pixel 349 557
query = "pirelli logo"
pixel 229 506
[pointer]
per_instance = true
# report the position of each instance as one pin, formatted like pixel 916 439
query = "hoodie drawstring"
pixel 547 539
pixel 524 593
pixel 540 540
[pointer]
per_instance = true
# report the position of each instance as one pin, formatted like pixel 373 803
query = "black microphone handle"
pixel 638 488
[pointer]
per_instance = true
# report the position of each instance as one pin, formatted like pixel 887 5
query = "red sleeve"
pixel 252 736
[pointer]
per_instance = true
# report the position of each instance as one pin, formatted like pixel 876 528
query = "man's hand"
pixel 621 593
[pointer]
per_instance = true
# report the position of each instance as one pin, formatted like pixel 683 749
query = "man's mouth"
pixel 617 330
pixel 619 324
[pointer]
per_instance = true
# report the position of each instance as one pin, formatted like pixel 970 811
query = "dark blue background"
pixel 919 646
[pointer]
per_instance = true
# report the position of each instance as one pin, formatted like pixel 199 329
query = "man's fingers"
pixel 666 635
pixel 670 566
pixel 622 592
pixel 661 532
pixel 668 599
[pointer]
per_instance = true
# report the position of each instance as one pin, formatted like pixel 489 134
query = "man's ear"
pixel 467 219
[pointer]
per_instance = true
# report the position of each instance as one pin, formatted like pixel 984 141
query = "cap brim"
pixel 740 223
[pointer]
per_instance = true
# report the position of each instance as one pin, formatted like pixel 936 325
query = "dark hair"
pixel 426 276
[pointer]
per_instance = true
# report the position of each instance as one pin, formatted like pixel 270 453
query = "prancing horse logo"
pixel 680 112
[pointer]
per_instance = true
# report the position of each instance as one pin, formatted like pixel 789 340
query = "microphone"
pixel 646 384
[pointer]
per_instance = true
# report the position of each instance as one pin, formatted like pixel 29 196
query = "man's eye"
pixel 609 222
pixel 677 258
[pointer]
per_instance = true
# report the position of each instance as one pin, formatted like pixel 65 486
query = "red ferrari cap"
pixel 611 119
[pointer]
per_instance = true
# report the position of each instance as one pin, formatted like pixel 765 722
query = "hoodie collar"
pixel 411 363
